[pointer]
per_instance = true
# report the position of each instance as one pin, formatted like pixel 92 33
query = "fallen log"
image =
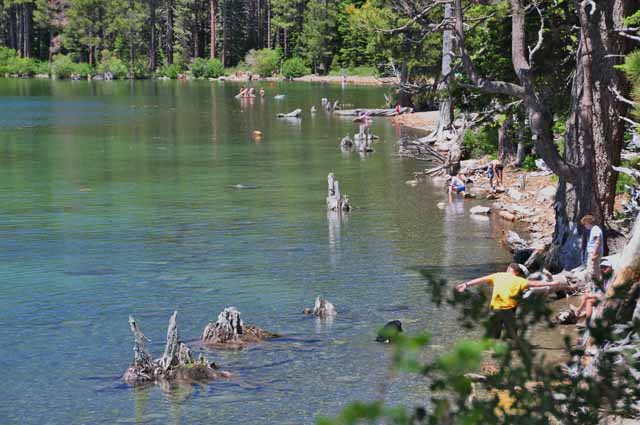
pixel 176 363
pixel 293 114
pixel 372 112
pixel 229 330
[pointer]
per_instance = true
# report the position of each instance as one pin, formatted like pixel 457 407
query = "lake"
pixel 117 198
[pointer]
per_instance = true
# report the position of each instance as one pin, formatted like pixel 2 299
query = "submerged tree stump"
pixel 176 363
pixel 230 330
pixel 322 308
pixel 335 200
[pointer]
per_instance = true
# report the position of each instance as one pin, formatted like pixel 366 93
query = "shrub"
pixel 207 68
pixel 294 67
pixel 114 65
pixel 140 70
pixel 482 142
pixel 169 71
pixel 62 66
pixel 6 55
pixel 529 163
pixel 264 62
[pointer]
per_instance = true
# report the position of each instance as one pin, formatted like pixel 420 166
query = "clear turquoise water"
pixel 116 199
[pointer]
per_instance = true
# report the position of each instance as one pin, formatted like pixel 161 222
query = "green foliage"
pixel 113 64
pixel 264 62
pixel 481 142
pixel 294 67
pixel 206 68
pixel 317 40
pixel 63 67
pixel 625 181
pixel 529 163
pixel 170 71
pixel 358 71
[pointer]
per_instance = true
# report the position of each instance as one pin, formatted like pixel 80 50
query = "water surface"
pixel 117 198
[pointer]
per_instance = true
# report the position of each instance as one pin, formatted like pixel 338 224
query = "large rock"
pixel 480 210
pixel 546 194
pixel 516 195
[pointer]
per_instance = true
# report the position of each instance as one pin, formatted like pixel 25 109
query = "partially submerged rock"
pixel 230 330
pixel 177 362
pixel 322 308
pixel 389 332
pixel 480 210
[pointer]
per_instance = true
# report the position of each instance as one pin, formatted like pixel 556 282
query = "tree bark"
pixel 445 115
pixel 27 27
pixel 595 133
pixel 153 62
pixel 169 40
pixel 213 6
pixel 507 149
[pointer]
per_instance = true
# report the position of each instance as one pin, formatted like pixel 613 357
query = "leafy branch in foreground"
pixel 518 386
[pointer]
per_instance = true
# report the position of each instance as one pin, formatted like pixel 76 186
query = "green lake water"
pixel 116 198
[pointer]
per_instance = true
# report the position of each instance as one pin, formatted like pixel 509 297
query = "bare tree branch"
pixel 620 97
pixel 540 37
pixel 415 18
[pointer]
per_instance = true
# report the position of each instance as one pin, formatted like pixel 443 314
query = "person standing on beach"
pixel 506 287
pixel 594 251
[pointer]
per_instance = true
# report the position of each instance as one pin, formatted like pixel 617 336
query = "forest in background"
pixel 138 38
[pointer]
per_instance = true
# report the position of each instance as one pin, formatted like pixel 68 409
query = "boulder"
pixel 480 210
pixel 516 195
pixel 546 194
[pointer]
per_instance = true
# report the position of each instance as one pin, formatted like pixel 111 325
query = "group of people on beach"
pixel 509 286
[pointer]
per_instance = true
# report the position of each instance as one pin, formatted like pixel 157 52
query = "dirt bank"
pixel 425 121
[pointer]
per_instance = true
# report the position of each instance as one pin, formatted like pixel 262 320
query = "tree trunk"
pixel 27 26
pixel 169 40
pixel 213 6
pixel 507 149
pixel 594 136
pixel 153 62
pixel 286 44
pixel 268 24
pixel 445 115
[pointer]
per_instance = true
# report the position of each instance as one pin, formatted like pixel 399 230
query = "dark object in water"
pixel 389 332
pixel 567 318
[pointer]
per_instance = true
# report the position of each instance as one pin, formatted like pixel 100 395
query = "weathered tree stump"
pixel 176 363
pixel 229 330
pixel 322 308
pixel 335 201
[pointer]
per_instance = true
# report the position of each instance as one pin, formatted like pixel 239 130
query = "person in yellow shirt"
pixel 507 287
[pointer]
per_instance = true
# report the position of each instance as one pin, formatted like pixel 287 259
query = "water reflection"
pixel 335 219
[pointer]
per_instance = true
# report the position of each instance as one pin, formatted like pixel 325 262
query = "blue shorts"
pixel 490 172
pixel 459 188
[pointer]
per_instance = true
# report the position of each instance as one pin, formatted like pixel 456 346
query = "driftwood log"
pixel 176 363
pixel 372 112
pixel 229 330
pixel 293 114
pixel 322 308
pixel 335 200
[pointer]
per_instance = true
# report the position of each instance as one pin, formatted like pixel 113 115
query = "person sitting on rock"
pixel 589 300
pixel 506 287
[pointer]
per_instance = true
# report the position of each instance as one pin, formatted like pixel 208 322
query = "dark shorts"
pixel 500 320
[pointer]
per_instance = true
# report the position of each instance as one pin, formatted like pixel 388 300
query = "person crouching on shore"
pixel 506 287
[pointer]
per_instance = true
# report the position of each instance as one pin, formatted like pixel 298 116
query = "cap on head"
pixel 605 263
